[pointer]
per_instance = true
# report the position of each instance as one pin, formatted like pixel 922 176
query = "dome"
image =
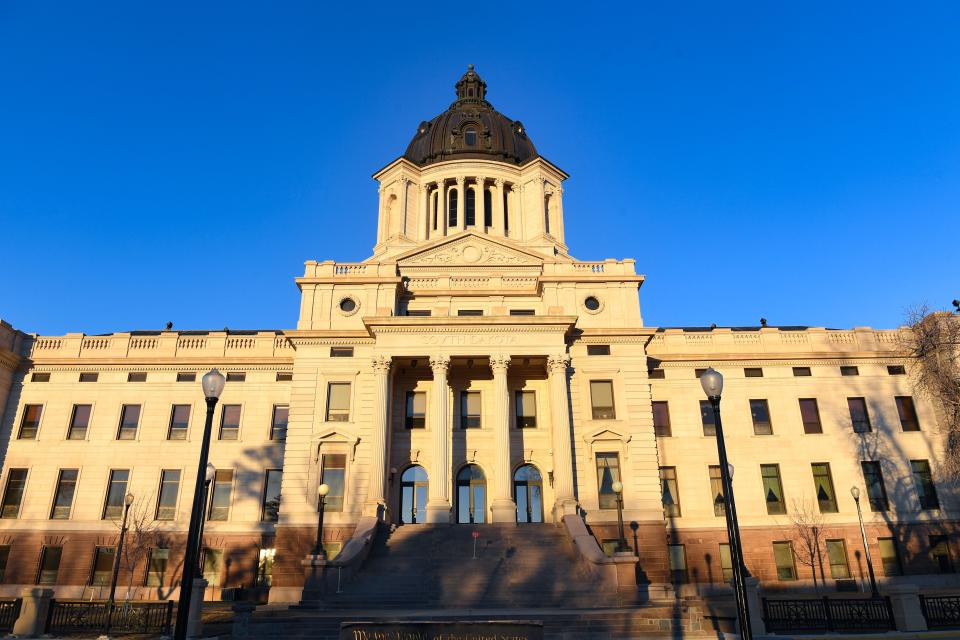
pixel 471 128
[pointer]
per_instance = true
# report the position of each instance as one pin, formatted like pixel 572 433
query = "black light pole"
pixel 618 490
pixel 322 492
pixel 212 383
pixel 211 474
pixel 712 383
pixel 855 492
pixel 127 501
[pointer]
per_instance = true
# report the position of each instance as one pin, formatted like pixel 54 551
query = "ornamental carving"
pixel 558 363
pixel 471 251
pixel 499 363
pixel 381 364
pixel 440 365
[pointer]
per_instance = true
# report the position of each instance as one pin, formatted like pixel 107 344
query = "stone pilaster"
pixel 503 508
pixel 438 500
pixel 566 502
pixel 498 228
pixel 423 227
pixel 480 190
pixel 376 493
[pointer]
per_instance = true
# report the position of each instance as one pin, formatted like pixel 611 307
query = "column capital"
pixel 499 363
pixel 440 364
pixel 499 182
pixel 422 187
pixel 460 180
pixel 403 180
pixel 557 364
pixel 481 180
pixel 381 364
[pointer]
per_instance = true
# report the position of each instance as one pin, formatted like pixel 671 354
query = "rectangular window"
pixel 876 487
pixel 79 421
pixel 187 376
pixel 753 372
pixel 940 554
pixel 526 409
pixel 896 370
pixel 837 555
pixel 707 418
pixel 270 508
pixel 858 415
pixel 670 494
pixel 849 371
pixel 230 422
pixel 801 372
pixel 760 412
pixel 470 312
pixel 179 422
pixel 678 562
pixel 236 376
pixel 717 496
pixel 116 492
pixel 773 489
pixel 129 421
pixel 341 352
pixel 63 495
pixel 469 409
pixel 416 410
pixel 220 495
pixel 334 476
pixel 661 419
pixel 810 415
pixel 278 424
pixel 926 489
pixel 212 564
pixel 89 377
pixel 265 567
pixel 13 494
pixel 137 376
pixel 656 374
pixel 4 557
pixel 726 562
pixel 823 487
pixel 38 376
pixel 598 349
pixel 30 423
pixel 418 313
pixel 167 495
pixel 783 557
pixel 103 558
pixel 524 312
pixel 890 557
pixel 908 413
pixel 49 565
pixel 338 402
pixel 601 399
pixel 608 472
pixel 284 376
pixel 157 567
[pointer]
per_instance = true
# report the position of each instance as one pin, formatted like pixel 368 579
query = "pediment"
pixel 335 436
pixel 470 250
pixel 606 434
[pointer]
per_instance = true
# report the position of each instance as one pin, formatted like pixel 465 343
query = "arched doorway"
pixel 471 495
pixel 413 495
pixel 528 493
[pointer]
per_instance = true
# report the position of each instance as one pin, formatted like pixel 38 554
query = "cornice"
pixel 785 361
pixel 461 330
pixel 199 364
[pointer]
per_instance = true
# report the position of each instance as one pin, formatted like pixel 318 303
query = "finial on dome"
pixel 469 67
pixel 470 86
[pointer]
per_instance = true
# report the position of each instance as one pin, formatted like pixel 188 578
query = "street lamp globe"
pixel 730 470
pixel 211 472
pixel 212 383
pixel 712 382
pixel 617 487
pixel 323 489
pixel 128 499
pixel 855 492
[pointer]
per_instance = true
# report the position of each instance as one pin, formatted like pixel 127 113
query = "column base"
pixel 564 507
pixel 503 510
pixel 438 513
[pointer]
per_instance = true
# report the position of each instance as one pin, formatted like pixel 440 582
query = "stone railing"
pixel 165 344
pixel 773 340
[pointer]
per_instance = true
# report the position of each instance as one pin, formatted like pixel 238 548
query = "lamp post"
pixel 208 480
pixel 212 384
pixel 712 382
pixel 618 489
pixel 322 492
pixel 855 492
pixel 127 502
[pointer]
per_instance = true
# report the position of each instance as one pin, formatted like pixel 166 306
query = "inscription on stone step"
pixel 479 630
pixel 461 339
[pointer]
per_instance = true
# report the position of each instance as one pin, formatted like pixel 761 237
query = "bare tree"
pixel 932 343
pixel 143 535
pixel 809 533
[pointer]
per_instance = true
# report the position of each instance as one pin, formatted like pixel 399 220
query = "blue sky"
pixel 179 161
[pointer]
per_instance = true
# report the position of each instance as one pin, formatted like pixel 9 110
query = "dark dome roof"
pixel 471 128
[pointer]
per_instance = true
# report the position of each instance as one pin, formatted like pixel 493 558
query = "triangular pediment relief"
pixel 335 436
pixel 606 434
pixel 470 250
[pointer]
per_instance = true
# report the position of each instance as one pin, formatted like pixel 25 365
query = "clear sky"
pixel 179 161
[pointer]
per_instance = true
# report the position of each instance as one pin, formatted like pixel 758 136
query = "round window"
pixel 591 303
pixel 348 305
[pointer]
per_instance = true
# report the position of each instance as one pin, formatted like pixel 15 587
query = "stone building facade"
pixel 470 372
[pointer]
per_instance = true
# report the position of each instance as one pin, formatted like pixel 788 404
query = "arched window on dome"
pixel 470 135
pixel 452 208
pixel 487 208
pixel 470 208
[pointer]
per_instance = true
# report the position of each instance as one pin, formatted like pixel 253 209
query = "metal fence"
pixel 824 614
pixel 9 612
pixel 941 611
pixel 76 616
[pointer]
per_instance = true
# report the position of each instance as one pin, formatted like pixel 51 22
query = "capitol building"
pixel 471 375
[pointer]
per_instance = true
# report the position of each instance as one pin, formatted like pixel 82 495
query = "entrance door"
pixel 413 495
pixel 528 492
pixel 471 495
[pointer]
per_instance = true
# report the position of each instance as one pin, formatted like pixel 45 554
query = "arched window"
pixel 471 495
pixel 546 214
pixel 506 214
pixel 470 208
pixel 487 208
pixel 528 492
pixel 452 209
pixel 413 495
pixel 470 134
pixel 435 199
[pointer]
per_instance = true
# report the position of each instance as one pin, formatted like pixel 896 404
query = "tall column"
pixel 423 229
pixel 503 508
pixel 461 201
pixel 558 218
pixel 405 193
pixel 381 218
pixel 376 492
pixel 498 226
pixel 566 502
pixel 541 208
pixel 481 191
pixel 438 500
